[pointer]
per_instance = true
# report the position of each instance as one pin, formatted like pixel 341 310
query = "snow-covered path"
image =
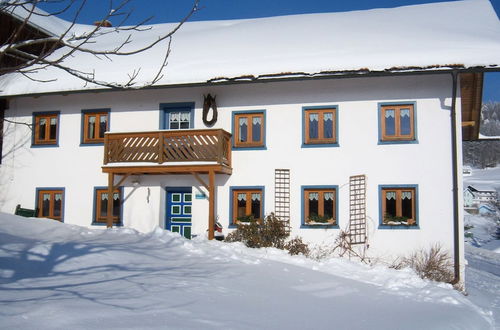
pixel 56 276
pixel 482 277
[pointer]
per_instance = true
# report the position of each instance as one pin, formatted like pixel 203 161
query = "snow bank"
pixel 55 275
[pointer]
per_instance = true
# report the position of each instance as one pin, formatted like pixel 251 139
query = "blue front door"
pixel 179 203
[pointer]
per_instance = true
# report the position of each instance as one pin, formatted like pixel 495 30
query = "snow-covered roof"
pixel 481 188
pixel 439 36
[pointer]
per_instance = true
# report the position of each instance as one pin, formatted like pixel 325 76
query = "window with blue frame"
pixel 50 203
pixel 320 206
pixel 397 122
pixel 398 206
pixel 320 125
pixel 247 205
pixel 248 129
pixel 95 124
pixel 45 128
pixel 101 206
pixel 175 116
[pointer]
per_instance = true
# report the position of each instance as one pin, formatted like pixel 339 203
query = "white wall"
pixel 427 164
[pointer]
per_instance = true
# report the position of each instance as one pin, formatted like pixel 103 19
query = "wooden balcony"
pixel 168 151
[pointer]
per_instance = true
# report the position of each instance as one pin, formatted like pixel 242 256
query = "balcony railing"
pixel 210 145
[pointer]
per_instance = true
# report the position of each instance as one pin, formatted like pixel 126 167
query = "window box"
pixel 319 206
pixel 398 206
pixel 50 203
pixel 247 205
pixel 397 123
pixel 45 129
pixel 320 126
pixel 249 129
pixel 94 124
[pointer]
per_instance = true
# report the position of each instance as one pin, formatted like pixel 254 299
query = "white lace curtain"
pixel 104 196
pixel 389 114
pixel 242 197
pixel 405 113
pixel 256 120
pixel 406 195
pixel 327 196
pixel 313 196
pixel 243 121
pixel 392 195
pixel 255 197
pixel 313 117
pixel 58 197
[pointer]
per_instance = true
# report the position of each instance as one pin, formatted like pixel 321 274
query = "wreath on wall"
pixel 209 103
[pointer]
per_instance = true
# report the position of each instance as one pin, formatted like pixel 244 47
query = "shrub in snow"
pixel 433 264
pixel 296 246
pixel 271 233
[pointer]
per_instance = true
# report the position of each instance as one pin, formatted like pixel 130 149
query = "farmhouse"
pixel 340 121
pixel 477 195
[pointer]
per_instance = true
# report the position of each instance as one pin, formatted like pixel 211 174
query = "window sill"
pixel 396 227
pixel 249 148
pixel 319 145
pixel 91 144
pixel 53 145
pixel 398 142
pixel 305 226
pixel 105 224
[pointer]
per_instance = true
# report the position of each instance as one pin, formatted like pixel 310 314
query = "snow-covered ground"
pixel 482 249
pixel 58 276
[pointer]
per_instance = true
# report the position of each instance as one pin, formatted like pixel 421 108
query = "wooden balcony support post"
pixel 228 156
pixel 109 218
pixel 160 148
pixel 220 147
pixel 211 204
pixel 106 144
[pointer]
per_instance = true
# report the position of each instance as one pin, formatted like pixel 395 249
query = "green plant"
pixel 320 218
pixel 246 218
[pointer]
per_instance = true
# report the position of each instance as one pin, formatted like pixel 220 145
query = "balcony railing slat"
pixel 168 146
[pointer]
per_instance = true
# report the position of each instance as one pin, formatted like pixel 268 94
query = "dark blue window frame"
pixel 94 207
pixel 42 113
pixel 233 123
pixel 166 108
pixel 336 125
pixel 82 127
pixel 302 206
pixel 233 188
pixel 380 206
pixel 37 206
pixel 380 132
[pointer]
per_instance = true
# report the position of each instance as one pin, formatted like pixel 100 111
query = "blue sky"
pixel 162 11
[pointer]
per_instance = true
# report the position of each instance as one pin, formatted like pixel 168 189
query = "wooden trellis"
pixel 357 209
pixel 282 195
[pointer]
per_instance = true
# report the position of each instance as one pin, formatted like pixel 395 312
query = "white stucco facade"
pixel 426 164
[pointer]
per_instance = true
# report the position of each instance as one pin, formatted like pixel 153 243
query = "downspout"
pixel 454 159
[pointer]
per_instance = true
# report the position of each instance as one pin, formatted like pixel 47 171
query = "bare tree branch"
pixel 28 51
